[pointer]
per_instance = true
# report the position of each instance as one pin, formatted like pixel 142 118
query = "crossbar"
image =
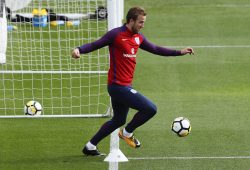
pixel 50 72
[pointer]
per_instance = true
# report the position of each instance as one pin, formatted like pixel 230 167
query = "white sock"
pixel 127 134
pixel 90 146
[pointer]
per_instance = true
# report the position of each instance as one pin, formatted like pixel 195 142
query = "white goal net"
pixel 38 64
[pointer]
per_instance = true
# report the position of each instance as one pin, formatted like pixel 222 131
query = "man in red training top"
pixel 124 43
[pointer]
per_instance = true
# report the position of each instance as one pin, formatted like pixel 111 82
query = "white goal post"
pixel 38 65
pixel 115 155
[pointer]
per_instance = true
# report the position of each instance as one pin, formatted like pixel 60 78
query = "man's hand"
pixel 75 53
pixel 187 50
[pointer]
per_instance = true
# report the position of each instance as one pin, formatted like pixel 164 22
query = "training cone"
pixel 116 156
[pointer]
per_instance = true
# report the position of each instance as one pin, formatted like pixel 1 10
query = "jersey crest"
pixel 137 40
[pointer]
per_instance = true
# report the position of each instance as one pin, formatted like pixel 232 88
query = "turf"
pixel 211 88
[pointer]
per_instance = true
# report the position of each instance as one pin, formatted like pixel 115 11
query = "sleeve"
pixel 103 41
pixel 163 51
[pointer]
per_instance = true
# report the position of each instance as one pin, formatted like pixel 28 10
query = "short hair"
pixel 134 12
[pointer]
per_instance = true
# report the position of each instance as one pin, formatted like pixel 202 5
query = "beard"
pixel 135 30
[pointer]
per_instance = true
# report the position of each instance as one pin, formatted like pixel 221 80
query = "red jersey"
pixel 123 57
pixel 123 46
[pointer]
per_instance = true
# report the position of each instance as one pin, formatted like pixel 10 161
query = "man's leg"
pixel 119 118
pixel 146 110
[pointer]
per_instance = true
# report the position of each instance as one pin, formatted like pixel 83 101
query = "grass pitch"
pixel 211 88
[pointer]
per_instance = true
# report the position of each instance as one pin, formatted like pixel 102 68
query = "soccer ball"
pixel 33 108
pixel 181 126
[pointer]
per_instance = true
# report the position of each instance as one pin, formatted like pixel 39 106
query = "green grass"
pixel 211 88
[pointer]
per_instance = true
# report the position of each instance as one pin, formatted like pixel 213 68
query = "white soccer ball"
pixel 181 126
pixel 33 108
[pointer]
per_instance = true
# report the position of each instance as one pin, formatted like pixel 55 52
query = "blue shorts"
pixel 125 97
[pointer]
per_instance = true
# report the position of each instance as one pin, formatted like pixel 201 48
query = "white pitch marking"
pixel 217 6
pixel 189 158
pixel 212 46
pixel 234 5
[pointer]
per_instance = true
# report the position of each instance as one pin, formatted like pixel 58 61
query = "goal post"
pixel 3 30
pixel 39 66
pixel 115 17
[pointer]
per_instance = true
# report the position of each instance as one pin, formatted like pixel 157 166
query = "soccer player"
pixel 124 43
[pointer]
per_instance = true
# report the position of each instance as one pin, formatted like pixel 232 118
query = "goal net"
pixel 38 64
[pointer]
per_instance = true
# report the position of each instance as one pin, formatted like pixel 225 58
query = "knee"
pixel 152 109
pixel 118 123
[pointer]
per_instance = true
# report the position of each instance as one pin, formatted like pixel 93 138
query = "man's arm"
pixel 163 51
pixel 87 48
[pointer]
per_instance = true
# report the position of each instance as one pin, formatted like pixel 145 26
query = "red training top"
pixel 123 46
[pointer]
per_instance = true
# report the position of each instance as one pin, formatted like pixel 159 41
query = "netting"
pixel 39 65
